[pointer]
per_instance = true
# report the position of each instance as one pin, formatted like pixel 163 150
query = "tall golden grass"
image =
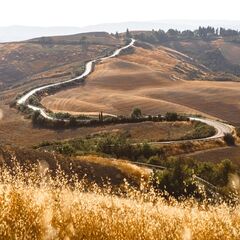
pixel 34 205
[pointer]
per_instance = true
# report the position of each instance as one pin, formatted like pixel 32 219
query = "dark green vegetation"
pixel 229 139
pixel 65 120
pixel 177 176
pixel 204 33
pixel 178 179
pixel 121 144
pixel 201 130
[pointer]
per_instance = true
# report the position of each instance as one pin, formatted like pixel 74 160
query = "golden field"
pixel 34 206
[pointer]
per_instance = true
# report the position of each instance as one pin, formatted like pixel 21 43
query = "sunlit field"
pixel 33 205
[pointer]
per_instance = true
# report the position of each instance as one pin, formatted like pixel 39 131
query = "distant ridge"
pixel 19 33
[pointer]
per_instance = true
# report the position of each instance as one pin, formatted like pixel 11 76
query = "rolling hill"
pixel 157 80
pixel 47 59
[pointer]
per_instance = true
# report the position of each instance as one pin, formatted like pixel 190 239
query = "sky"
pixel 90 12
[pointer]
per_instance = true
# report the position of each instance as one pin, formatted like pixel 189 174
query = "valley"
pixel 165 83
pixel 98 125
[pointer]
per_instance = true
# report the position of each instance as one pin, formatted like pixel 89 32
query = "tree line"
pixel 205 33
pixel 66 120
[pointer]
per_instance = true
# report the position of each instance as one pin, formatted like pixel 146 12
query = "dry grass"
pixel 91 167
pixel 126 167
pixel 153 131
pixel 44 208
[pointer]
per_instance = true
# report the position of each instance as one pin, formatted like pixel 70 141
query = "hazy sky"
pixel 88 12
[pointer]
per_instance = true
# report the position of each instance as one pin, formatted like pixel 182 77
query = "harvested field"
pixel 218 154
pixel 22 127
pixel 151 131
pixel 145 79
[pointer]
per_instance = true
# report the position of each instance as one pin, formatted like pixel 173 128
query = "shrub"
pixel 171 116
pixel 229 139
pixel 176 181
pixel 66 149
pixel 136 113
pixel 201 130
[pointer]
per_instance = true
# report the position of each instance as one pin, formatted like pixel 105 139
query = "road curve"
pixel 88 69
pixel 220 127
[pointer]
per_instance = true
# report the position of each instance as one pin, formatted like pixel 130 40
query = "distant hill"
pixel 19 33
pixel 50 58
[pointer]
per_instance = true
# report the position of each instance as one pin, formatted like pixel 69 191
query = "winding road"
pixel 88 69
pixel 221 128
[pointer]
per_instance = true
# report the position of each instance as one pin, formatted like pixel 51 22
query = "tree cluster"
pixel 205 33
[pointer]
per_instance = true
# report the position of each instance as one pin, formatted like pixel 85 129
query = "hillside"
pixel 157 80
pixel 92 168
pixel 126 177
pixel 218 55
pixel 36 206
pixel 119 84
pixel 48 59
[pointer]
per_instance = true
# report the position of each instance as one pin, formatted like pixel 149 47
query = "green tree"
pixel 171 116
pixel 128 34
pixel 35 116
pixel 229 139
pixel 66 149
pixel 117 35
pixel 72 121
pixel 177 181
pixel 136 113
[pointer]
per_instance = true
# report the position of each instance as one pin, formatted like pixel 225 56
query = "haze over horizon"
pixel 78 13
pixel 30 19
pixel 19 33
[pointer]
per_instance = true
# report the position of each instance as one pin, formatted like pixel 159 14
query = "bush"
pixel 171 116
pixel 66 149
pixel 136 113
pixel 176 181
pixel 229 139
pixel 201 130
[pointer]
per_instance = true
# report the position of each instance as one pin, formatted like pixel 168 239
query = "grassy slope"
pixel 93 168
pixel 46 209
